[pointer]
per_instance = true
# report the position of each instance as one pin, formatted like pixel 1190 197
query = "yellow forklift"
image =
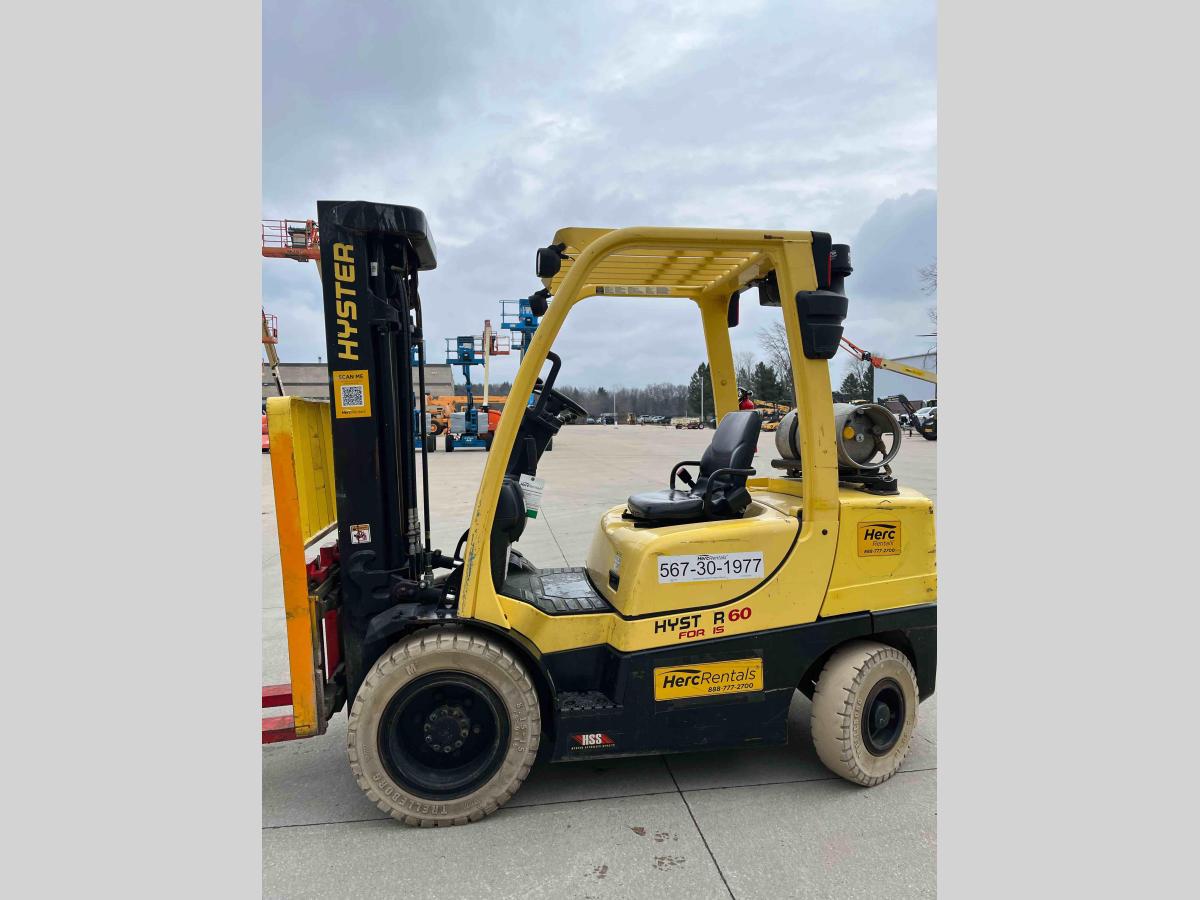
pixel 706 600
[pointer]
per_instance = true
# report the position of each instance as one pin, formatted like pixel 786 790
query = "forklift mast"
pixel 370 256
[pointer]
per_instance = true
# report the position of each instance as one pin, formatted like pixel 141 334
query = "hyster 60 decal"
pixel 735 676
pixel 688 627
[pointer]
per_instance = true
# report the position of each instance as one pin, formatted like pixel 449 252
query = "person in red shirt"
pixel 745 399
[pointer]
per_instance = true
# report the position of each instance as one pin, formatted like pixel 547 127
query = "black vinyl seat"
pixel 719 492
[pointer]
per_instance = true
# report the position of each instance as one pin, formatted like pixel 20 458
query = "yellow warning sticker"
pixel 878 538
pixel 351 394
pixel 735 676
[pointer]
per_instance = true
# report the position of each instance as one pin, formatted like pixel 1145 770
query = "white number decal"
pixel 709 567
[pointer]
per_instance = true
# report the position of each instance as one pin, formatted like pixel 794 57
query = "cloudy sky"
pixel 505 121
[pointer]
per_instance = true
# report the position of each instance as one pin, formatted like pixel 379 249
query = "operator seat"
pixel 720 490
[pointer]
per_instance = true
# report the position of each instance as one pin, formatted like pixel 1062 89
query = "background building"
pixel 889 383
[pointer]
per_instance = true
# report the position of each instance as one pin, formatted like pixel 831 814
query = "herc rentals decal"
pixel 878 538
pixel 735 676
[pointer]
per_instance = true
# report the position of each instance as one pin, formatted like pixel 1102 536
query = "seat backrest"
pixel 733 444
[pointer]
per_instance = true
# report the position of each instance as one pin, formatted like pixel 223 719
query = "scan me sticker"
pixel 878 538
pixel 735 676
pixel 351 394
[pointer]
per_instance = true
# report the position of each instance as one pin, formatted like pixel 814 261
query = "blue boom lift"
pixel 464 432
pixel 524 321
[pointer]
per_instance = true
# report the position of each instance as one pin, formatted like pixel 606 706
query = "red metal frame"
pixel 333 643
pixel 278 728
pixel 501 344
pixel 276 695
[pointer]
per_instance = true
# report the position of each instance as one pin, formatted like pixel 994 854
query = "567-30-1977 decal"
pixel 710 567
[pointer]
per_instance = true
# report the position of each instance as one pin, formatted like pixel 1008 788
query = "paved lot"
pixel 747 824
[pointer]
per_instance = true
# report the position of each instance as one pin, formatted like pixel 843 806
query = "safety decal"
pixel 593 741
pixel 709 567
pixel 878 538
pixel 360 534
pixel 735 676
pixel 351 394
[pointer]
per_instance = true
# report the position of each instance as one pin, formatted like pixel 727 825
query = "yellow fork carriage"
pixel 705 602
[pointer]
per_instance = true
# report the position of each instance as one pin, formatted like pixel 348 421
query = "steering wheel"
pixel 551 404
pixel 557 403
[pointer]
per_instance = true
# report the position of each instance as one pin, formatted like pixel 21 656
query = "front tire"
pixel 864 712
pixel 449 443
pixel 461 693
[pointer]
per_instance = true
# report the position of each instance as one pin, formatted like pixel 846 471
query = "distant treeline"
pixel 769 379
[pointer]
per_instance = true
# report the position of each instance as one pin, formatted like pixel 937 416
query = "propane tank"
pixel 860 429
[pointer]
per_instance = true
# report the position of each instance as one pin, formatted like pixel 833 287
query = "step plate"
pixel 556 592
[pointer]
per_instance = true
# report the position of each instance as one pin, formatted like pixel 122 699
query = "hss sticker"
pixel 878 538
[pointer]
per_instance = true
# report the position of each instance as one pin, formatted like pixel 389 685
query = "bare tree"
pixel 859 383
pixel 774 342
pixel 743 364
pixel 928 276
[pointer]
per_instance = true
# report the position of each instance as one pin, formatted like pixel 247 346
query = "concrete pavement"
pixel 750 823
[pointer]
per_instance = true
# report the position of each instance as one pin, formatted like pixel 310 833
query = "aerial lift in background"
pixel 471 427
pixel 890 365
pixel 522 322
pixel 270 337
pixel 285 239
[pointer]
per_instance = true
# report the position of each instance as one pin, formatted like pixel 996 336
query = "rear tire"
pixel 449 443
pixel 864 712
pixel 431 678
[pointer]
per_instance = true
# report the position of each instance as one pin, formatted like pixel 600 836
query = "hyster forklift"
pixel 707 600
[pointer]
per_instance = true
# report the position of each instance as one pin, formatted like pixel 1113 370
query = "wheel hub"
pixel 883 717
pixel 443 735
pixel 446 728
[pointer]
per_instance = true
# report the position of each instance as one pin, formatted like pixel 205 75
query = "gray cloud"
pixel 507 121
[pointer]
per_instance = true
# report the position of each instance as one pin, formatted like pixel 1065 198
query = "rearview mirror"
pixel 539 301
pixel 549 260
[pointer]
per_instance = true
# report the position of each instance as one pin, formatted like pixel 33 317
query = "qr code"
pixel 352 395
